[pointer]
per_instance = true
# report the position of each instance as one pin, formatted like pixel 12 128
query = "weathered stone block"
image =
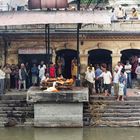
pixel 58 115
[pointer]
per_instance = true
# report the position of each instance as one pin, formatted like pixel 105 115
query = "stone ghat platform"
pixel 101 111
pixel 58 109
pixel 77 94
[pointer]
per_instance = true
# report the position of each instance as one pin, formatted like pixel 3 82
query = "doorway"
pixel 67 55
pixel 100 56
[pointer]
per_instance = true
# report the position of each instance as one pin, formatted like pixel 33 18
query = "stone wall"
pixel 92 37
pixel 58 115
pixel 115 46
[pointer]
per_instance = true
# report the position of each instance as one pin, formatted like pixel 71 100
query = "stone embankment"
pixel 15 111
pixel 101 111
pixel 106 111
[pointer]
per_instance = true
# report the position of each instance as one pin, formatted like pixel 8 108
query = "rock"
pixel 11 122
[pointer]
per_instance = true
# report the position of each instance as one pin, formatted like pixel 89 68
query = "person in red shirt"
pixel 52 70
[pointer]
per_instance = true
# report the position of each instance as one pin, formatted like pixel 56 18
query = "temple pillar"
pixel 116 57
pixel 2 58
pixel 84 62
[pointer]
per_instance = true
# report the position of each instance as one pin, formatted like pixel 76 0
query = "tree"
pixel 94 1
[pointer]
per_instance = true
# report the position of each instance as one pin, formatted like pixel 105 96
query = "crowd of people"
pixel 23 76
pixel 113 82
pixel 120 13
pixel 120 77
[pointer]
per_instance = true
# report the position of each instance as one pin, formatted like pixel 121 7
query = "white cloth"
pixel 41 73
pixel 128 68
pixel 119 68
pixel 120 13
pixel 116 77
pixel 90 76
pixel 2 74
pixel 44 66
pixel 121 89
pixel 107 77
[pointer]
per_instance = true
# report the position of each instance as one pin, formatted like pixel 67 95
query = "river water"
pixel 69 134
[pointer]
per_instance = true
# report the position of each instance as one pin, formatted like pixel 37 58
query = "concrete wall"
pixel 58 115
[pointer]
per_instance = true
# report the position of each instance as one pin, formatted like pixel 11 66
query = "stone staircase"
pixel 15 111
pixel 106 111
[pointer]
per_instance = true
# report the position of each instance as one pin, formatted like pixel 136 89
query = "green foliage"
pixel 94 1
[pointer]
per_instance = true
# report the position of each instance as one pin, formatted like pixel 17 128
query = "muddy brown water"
pixel 70 134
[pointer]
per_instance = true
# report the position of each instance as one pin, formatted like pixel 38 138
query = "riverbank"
pixel 102 111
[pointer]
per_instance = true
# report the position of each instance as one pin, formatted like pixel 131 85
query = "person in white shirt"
pixel 128 68
pixel 41 73
pixel 119 67
pixel 116 81
pixel 107 79
pixel 41 64
pixel 120 12
pixel 90 78
pixel 137 71
pixel 2 80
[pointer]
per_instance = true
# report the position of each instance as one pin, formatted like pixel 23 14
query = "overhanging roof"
pixel 53 17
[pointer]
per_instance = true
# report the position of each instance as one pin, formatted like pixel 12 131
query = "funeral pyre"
pixel 56 84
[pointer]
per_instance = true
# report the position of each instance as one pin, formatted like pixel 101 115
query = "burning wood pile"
pixel 57 84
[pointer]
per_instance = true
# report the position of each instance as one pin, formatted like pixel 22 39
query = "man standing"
pixel 116 76
pixel 98 81
pixel 90 76
pixel 128 68
pixel 119 67
pixel 2 78
pixel 8 72
pixel 107 78
pixel 137 71
pixel 22 76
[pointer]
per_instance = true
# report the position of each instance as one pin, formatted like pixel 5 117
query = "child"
pixel 122 85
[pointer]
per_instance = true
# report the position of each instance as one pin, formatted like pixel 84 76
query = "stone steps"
pixel 116 114
pixel 13 96
pixel 114 110
pixel 97 97
pixel 135 123
pixel 119 119
pixel 112 102
pixel 16 112
pixel 16 107
pixel 106 111
pixel 12 101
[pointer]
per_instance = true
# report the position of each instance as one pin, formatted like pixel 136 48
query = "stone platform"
pixel 102 111
pixel 58 109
